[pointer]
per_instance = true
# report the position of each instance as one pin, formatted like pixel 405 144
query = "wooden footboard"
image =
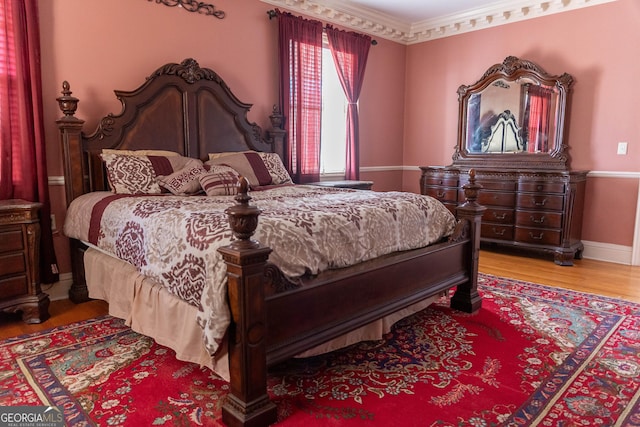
pixel 270 327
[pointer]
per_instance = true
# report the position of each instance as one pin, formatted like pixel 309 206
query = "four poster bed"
pixel 170 163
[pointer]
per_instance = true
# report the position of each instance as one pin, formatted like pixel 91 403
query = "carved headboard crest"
pixel 189 70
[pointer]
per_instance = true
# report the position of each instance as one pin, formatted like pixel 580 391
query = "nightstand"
pixel 19 261
pixel 357 185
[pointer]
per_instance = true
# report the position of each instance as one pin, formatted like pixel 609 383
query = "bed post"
pixel 276 135
pixel 466 297
pixel 247 403
pixel 74 181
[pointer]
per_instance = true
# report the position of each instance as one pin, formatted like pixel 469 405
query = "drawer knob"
pixel 502 216
pixel 540 203
pixel 440 194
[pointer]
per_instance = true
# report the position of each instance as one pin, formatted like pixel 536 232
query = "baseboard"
pixel 608 252
pixel 60 289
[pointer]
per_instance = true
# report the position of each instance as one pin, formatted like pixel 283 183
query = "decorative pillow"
pixel 278 172
pixel 133 174
pixel 185 181
pixel 219 181
pixel 259 168
pixel 248 164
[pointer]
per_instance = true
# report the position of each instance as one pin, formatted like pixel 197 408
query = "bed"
pixel 183 112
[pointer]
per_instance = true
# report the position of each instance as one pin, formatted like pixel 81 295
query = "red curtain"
pixel 350 51
pixel 23 169
pixel 538 123
pixel 300 55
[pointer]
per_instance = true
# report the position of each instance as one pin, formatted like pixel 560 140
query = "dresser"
pixel 19 261
pixel 511 132
pixel 533 210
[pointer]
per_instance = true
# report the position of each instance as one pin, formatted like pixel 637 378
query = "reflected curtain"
pixel 300 55
pixel 23 170
pixel 350 51
pixel 538 121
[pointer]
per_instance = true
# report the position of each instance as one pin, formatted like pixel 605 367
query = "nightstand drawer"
pixel 12 264
pixel 13 287
pixel 11 240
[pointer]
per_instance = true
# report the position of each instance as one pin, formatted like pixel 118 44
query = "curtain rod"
pixel 273 14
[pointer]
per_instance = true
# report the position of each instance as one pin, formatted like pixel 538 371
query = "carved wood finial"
pixel 243 217
pixel 472 189
pixel 67 103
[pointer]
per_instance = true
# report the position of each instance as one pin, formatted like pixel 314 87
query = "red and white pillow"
pixel 155 172
pixel 219 181
pixel 138 174
pixel 258 168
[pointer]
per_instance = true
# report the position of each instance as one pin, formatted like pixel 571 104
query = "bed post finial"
pixel 68 104
pixel 243 217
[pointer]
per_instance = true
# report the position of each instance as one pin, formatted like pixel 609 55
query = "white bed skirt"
pixel 152 311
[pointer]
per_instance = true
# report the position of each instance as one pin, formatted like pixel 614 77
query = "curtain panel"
pixel 23 169
pixel 300 57
pixel 350 51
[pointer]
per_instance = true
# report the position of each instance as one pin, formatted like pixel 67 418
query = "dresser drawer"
pixel 541 201
pixel 497 215
pixel 442 194
pixel 11 240
pixel 541 187
pixel 497 231
pixel 538 236
pixel 498 185
pixel 440 180
pixel 539 219
pixel 496 198
pixel 14 286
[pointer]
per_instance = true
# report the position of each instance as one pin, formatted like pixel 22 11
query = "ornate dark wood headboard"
pixel 180 107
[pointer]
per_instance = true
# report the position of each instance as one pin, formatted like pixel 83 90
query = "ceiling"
pixel 411 11
pixel 415 21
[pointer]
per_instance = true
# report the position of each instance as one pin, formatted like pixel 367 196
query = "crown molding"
pixel 384 26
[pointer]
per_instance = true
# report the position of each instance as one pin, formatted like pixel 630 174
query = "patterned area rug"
pixel 533 355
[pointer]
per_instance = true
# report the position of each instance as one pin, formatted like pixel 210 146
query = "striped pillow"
pixel 219 181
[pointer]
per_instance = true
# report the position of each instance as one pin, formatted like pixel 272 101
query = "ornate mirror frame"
pixel 519 75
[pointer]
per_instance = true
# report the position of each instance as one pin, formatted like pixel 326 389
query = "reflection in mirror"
pixel 515 108
pixel 511 117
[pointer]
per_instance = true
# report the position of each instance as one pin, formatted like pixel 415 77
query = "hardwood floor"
pixel 596 277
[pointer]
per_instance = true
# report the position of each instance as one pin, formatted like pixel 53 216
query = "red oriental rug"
pixel 533 355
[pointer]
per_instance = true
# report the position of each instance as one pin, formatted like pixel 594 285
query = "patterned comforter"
pixel 173 239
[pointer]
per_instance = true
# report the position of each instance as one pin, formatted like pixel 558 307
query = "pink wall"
pixel 592 44
pixel 408 106
pixel 99 46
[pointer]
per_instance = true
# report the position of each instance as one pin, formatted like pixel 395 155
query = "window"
pixel 334 119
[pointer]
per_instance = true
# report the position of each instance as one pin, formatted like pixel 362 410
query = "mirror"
pixel 513 116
